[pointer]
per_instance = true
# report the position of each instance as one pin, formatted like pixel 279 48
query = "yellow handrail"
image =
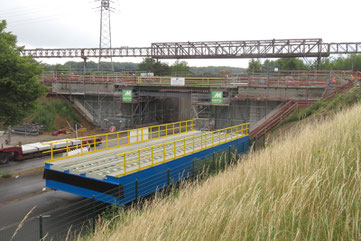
pixel 120 138
pixel 196 143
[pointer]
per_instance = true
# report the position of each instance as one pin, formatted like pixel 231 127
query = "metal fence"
pixel 89 144
pixel 157 154
pixel 271 78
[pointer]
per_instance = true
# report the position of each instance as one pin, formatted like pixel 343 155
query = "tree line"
pixel 148 65
pixel 349 62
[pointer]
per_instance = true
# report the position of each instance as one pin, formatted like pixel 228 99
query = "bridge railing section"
pixel 279 82
pixel 90 144
pixel 297 78
pixel 89 78
pixel 281 78
pixel 154 155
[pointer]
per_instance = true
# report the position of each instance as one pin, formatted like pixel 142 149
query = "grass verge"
pixel 337 103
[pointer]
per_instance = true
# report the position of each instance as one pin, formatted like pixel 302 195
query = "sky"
pixel 138 23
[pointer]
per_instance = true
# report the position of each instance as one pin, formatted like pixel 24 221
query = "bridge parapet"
pixel 282 78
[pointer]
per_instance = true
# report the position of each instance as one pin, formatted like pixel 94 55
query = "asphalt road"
pixel 24 165
pixel 48 202
pixel 19 194
pixel 21 187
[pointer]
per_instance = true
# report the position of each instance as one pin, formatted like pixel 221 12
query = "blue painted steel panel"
pixel 147 181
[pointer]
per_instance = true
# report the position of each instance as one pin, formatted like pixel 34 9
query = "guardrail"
pixel 89 144
pixel 157 154
pixel 248 80
pixel 275 119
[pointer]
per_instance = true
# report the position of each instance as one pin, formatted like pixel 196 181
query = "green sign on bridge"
pixel 127 95
pixel 217 97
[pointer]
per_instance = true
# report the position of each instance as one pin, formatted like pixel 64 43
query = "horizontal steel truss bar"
pixel 276 48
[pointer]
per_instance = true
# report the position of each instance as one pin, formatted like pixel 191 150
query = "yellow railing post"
pixel 81 145
pixel 95 144
pixel 158 131
pixel 117 138
pixel 125 164
pixel 186 126
pixel 180 127
pixel 106 141
pixel 67 146
pixel 51 152
pixel 237 130
pixel 166 130
pixel 192 125
pixel 128 134
pixel 173 128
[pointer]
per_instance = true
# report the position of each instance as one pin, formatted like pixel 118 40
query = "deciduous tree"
pixel 19 85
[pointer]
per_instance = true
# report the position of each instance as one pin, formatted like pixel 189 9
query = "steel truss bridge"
pixel 275 48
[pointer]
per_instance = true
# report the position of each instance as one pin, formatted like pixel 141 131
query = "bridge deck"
pixel 125 173
pixel 100 164
pixel 123 160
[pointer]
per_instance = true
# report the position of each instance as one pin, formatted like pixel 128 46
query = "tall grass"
pixel 303 187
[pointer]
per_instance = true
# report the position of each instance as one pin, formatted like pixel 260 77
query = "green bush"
pixel 46 111
pixel 5 175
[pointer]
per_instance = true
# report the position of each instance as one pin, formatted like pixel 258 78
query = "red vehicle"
pixel 33 150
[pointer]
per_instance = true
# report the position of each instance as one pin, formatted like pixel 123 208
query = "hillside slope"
pixel 316 112
pixel 305 187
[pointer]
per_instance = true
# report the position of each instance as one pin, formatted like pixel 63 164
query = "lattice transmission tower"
pixel 105 40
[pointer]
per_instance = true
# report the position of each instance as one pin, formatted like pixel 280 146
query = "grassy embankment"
pixel 54 114
pixel 337 103
pixel 306 186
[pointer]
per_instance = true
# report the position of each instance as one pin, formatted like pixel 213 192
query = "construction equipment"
pixel 39 149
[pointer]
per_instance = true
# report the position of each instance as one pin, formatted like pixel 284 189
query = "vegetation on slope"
pixel 303 187
pixel 334 104
pixel 54 114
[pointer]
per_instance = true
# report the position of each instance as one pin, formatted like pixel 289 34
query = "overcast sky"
pixel 75 23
